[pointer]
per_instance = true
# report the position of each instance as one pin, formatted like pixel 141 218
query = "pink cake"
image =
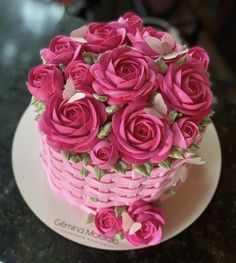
pixel 121 109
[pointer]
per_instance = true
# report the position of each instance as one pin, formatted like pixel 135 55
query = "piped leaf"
pixel 75 158
pixel 143 169
pixel 120 235
pixel 105 130
pixel 84 172
pixel 93 199
pixel 176 153
pixel 99 97
pixel 119 210
pixel 62 67
pixel 90 219
pixel 89 57
pixel 193 149
pixel 164 164
pixel 86 158
pixel 162 66
pixel 170 191
pixel 99 173
pixel 120 167
pixel 173 115
pixel 111 109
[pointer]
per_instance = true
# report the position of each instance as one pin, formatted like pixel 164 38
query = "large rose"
pixel 124 75
pixel 186 88
pixel 104 154
pixel 140 136
pixel 198 56
pixel 62 49
pixel 152 221
pixel 80 73
pixel 185 132
pixel 167 41
pixel 44 80
pixel 131 22
pixel 72 126
pixel 107 223
pixel 103 36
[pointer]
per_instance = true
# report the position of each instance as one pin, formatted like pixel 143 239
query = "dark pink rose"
pixel 167 42
pixel 44 80
pixel 198 56
pixel 104 154
pixel 103 36
pixel 140 136
pixel 186 88
pixel 72 126
pixel 124 75
pixel 80 73
pixel 131 22
pixel 185 132
pixel 152 221
pixel 107 223
pixel 62 49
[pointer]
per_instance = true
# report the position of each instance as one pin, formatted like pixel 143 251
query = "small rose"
pixel 61 50
pixel 152 221
pixel 107 223
pixel 44 80
pixel 72 126
pixel 185 132
pixel 124 75
pixel 139 135
pixel 131 22
pixel 104 154
pixel 198 56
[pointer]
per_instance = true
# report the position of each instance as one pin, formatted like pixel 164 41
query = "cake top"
pixel 121 96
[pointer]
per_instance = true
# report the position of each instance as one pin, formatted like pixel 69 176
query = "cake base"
pixel 180 211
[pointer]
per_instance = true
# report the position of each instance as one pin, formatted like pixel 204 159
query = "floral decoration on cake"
pixel 119 97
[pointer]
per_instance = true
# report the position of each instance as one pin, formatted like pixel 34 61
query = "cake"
pixel 121 111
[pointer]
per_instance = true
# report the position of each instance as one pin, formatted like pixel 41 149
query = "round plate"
pixel 181 210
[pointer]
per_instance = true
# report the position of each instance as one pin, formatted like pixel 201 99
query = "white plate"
pixel 181 210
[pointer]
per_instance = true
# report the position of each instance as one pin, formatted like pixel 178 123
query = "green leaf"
pixel 119 210
pixel 170 191
pixel 84 172
pixel 62 67
pixel 75 158
pixel 206 121
pixel 86 158
pixel 99 97
pixel 120 167
pixel 93 199
pixel 120 235
pixel 181 60
pixel 90 219
pixel 193 149
pixel 164 164
pixel 173 115
pixel 99 173
pixel 111 109
pixel 162 66
pixel 176 153
pixel 157 203
pixel 66 155
pixel 211 113
pixel 124 165
pixel 89 57
pixel 104 130
pixel 143 169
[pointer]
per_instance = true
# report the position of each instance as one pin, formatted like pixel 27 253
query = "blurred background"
pixel 26 26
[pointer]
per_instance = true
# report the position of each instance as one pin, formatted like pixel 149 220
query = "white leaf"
pixel 79 39
pixel 152 111
pixel 155 44
pixel 79 32
pixel 159 104
pixel 127 221
pixel 69 90
pixel 135 227
pixel 175 54
pixel 196 160
pixel 76 96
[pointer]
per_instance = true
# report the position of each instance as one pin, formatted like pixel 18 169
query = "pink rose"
pixel 44 80
pixel 185 132
pixel 140 136
pixel 124 75
pixel 107 223
pixel 139 42
pixel 72 126
pixel 152 221
pixel 198 56
pixel 186 88
pixel 104 154
pixel 103 36
pixel 80 73
pixel 62 49
pixel 131 22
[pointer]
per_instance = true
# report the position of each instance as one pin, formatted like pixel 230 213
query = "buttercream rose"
pixel 131 22
pixel 140 136
pixel 62 49
pixel 124 75
pixel 185 132
pixel 198 56
pixel 104 154
pixel 103 36
pixel 107 223
pixel 167 42
pixel 80 73
pixel 152 221
pixel 72 126
pixel 44 80
pixel 186 88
